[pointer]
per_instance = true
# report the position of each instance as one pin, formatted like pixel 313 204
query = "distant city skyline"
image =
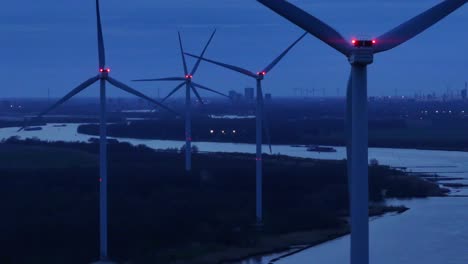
pixel 50 39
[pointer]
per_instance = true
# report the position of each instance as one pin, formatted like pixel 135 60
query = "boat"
pixel 320 149
pixel 32 128
pixel 62 125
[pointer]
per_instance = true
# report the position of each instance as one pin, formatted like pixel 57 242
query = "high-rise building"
pixel 463 94
pixel 235 96
pixel 249 93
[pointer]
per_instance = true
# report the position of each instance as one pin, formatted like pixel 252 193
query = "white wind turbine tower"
pixel 259 76
pixel 187 80
pixel 102 77
pixel 360 53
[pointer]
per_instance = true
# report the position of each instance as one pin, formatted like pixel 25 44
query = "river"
pixel 433 231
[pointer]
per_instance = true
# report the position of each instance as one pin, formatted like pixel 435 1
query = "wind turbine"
pixel 259 76
pixel 360 53
pixel 102 77
pixel 187 80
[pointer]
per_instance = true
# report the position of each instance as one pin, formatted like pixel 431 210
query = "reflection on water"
pixel 434 231
pixel 232 116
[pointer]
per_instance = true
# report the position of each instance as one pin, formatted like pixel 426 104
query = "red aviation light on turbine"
pixel 104 70
pixel 363 43
pixel 188 76
pixel 262 73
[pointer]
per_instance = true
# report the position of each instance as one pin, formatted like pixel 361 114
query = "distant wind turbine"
pixel 259 76
pixel 187 80
pixel 360 53
pixel 102 77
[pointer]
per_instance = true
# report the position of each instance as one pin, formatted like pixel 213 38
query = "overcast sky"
pixel 52 44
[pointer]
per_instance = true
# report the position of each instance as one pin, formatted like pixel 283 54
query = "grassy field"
pixel 42 157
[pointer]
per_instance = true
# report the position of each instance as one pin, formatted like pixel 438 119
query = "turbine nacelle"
pixel 362 56
pixel 261 75
pixel 363 52
pixel 104 72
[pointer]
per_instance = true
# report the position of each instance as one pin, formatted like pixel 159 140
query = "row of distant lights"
pixel 224 132
pixel 443 112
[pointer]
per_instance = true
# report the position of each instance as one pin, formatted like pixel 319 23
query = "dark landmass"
pixel 443 134
pixel 431 122
pixel 159 214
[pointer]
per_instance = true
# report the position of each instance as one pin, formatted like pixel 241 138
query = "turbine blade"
pixel 197 94
pixel 208 89
pixel 416 25
pixel 160 79
pixel 231 67
pixel 67 97
pixel 101 50
pixel 130 90
pixel 72 93
pixel 173 91
pixel 183 54
pixel 281 56
pixel 309 23
pixel 195 68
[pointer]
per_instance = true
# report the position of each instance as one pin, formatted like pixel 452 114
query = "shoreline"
pixel 270 245
pixel 290 243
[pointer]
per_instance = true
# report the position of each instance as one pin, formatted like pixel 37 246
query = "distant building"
pixel 235 96
pixel 249 93
pixel 464 91
pixel 463 94
pixel 232 94
pixel 268 96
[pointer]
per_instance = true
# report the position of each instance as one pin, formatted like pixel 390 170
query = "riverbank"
pixel 288 244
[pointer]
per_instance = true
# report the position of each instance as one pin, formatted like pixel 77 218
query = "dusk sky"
pixel 52 44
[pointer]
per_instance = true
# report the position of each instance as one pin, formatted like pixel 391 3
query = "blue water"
pixel 433 231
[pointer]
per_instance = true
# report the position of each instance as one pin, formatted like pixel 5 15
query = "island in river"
pixel 160 214
pixel 413 134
